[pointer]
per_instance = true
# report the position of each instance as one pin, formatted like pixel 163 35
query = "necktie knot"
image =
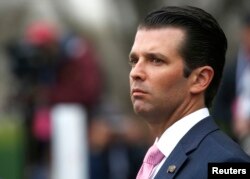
pixel 153 156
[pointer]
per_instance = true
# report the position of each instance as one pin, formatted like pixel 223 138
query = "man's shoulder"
pixel 221 148
pixel 207 140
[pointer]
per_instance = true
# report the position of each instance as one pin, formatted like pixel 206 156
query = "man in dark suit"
pixel 232 107
pixel 177 61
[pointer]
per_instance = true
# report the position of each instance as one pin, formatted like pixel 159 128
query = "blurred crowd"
pixel 54 68
pixel 117 145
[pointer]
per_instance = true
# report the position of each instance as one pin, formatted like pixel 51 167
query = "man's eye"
pixel 132 61
pixel 156 61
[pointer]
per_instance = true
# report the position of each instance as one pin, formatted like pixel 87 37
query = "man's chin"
pixel 142 108
pixel 141 111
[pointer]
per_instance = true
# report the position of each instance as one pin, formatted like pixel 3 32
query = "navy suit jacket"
pixel 204 143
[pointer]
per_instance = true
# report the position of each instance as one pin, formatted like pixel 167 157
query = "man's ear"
pixel 200 79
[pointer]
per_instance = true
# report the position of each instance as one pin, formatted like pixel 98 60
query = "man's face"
pixel 157 84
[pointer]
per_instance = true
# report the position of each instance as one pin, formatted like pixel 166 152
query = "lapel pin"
pixel 171 169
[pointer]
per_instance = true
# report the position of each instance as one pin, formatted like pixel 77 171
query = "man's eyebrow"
pixel 159 55
pixel 156 55
pixel 132 55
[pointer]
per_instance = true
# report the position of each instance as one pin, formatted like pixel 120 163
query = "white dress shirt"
pixel 172 135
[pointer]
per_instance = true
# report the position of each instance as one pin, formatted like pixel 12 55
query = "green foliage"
pixel 11 148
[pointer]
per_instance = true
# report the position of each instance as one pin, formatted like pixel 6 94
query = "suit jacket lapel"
pixel 187 144
pixel 176 159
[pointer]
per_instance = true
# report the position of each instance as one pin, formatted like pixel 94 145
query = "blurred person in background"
pixel 117 144
pixel 177 61
pixel 34 59
pixel 99 140
pixel 51 68
pixel 233 100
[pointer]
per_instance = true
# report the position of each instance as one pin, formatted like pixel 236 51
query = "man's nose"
pixel 138 71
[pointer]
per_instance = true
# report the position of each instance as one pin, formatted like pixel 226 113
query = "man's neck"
pixel 163 123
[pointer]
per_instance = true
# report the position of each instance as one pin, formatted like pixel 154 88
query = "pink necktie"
pixel 152 158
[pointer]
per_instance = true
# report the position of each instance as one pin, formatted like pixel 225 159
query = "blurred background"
pixel 64 85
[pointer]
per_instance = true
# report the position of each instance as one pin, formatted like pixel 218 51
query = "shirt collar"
pixel 172 135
